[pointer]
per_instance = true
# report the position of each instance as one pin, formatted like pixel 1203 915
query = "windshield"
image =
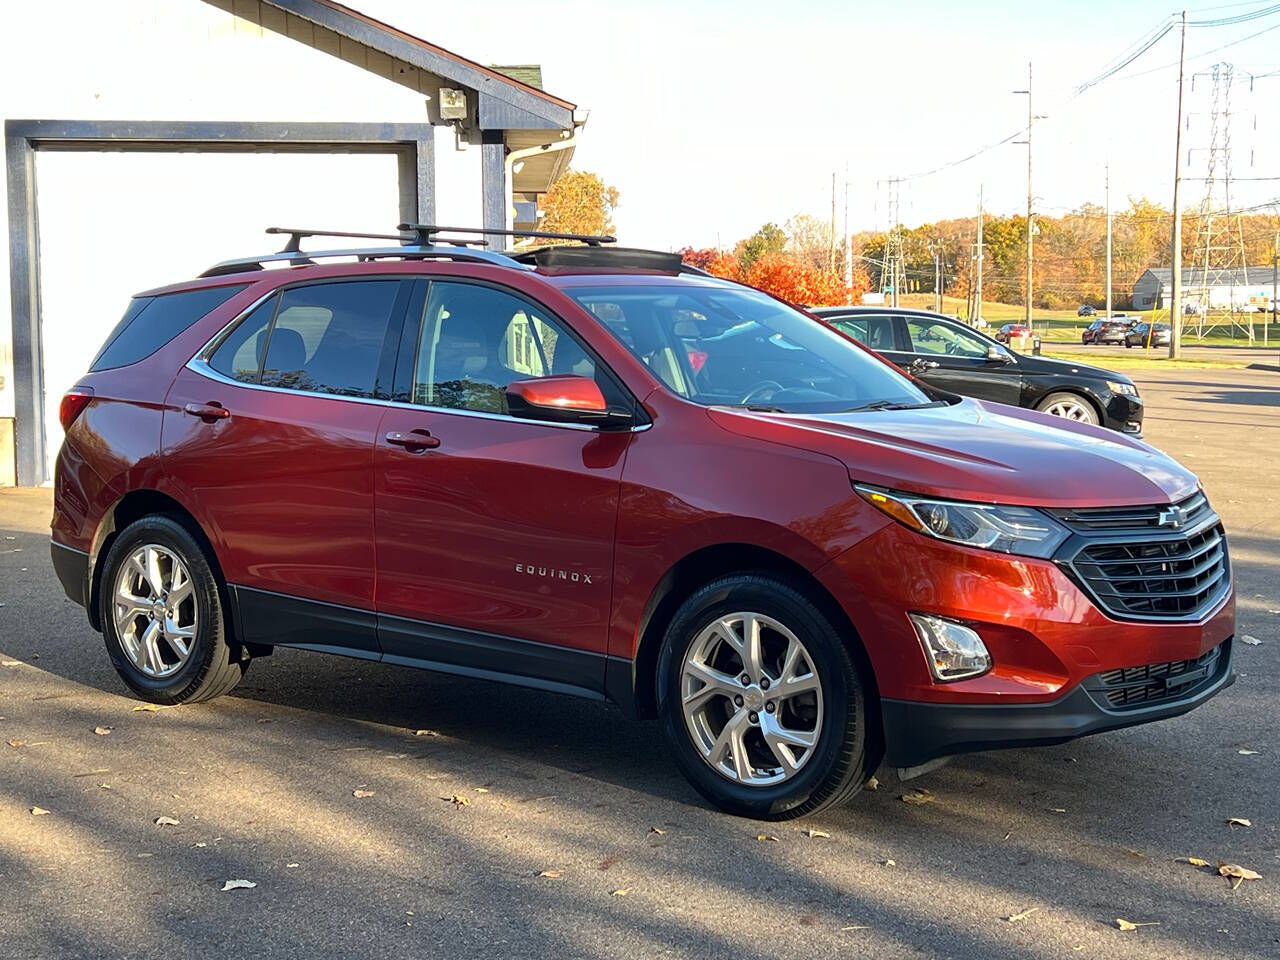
pixel 737 346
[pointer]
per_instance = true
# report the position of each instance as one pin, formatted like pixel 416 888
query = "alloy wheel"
pixel 1071 410
pixel 752 699
pixel 154 606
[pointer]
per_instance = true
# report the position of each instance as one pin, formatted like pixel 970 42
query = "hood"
pixel 983 452
pixel 1030 363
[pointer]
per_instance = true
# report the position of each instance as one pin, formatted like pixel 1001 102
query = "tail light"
pixel 73 403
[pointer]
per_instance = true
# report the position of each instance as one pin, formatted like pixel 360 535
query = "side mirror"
pixel 566 399
pixel 997 355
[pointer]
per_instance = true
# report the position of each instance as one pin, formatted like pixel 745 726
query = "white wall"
pixel 102 228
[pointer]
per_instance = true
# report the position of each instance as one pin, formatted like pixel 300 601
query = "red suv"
pixel 596 471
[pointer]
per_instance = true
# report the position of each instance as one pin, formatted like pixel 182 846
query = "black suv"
pixel 955 357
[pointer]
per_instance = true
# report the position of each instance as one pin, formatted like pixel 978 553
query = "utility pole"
pixel 1175 306
pixel 848 236
pixel 1030 222
pixel 831 264
pixel 978 315
pixel 1108 239
pixel 1275 288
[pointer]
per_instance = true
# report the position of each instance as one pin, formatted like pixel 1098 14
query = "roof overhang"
pixel 495 101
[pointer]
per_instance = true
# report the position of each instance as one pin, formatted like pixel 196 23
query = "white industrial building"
pixel 1243 288
pixel 165 135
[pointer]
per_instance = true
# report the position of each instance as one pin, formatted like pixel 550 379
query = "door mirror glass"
pixel 997 354
pixel 570 398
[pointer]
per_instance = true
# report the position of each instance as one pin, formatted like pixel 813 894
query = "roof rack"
pixel 442 248
pixel 426 234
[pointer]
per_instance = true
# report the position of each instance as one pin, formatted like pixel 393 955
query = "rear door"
pixel 957 360
pixel 494 534
pixel 271 434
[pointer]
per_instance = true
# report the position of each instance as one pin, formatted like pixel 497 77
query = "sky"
pixel 713 117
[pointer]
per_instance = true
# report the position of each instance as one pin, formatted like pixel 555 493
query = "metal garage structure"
pixel 526 138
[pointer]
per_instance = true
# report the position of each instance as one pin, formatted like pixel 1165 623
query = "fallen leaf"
pixel 918 796
pixel 842 929
pixel 888 863
pixel 608 862
pixel 16 743
pixel 166 822
pixel 362 793
pixel 426 733
pixel 551 874
pixel 872 784
pixel 1019 917
pixel 1247 753
pixel 1239 822
pixel 1195 861
pixel 199 843
pixel 458 800
pixel 767 837
pixel 1057 810
pixel 1251 641
pixel 658 830
pixel 620 892
pixel 102 731
pixel 1238 873
pixel 10 663
pixel 238 885
pixel 482 789
pixel 290 865
pixel 146 708
pixel 38 811
pixel 1123 924
pixel 811 833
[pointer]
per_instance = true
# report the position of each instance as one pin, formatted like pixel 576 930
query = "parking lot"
pixel 509 823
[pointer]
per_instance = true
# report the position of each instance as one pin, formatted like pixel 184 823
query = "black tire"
pixel 212 667
pixel 1128 344
pixel 840 764
pixel 1066 396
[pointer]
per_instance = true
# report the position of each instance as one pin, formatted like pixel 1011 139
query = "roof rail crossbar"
pixel 364 254
pixel 293 245
pixel 427 234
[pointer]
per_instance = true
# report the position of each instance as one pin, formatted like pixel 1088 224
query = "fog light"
pixel 954 651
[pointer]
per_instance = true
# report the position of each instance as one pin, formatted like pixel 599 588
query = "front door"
pixel 494 534
pixel 955 358
pixel 270 438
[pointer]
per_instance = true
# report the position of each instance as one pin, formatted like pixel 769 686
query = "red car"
pixel 597 472
pixel 1011 330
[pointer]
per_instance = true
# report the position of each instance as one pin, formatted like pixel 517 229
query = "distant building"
pixel 1233 289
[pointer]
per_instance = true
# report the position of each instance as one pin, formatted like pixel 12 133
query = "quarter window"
pixel 476 340
pixel 151 322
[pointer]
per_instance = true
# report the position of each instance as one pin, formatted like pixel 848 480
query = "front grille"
pixel 1176 577
pixel 1156 683
pixel 1188 512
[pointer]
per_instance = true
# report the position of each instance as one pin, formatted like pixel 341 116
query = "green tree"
pixel 770 238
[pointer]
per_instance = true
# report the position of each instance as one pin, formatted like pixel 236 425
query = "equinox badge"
pixel 551 573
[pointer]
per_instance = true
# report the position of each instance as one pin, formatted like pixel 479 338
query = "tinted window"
pixel 731 345
pixel 239 356
pixel 476 340
pixel 328 337
pixel 874 332
pixel 940 337
pixel 151 322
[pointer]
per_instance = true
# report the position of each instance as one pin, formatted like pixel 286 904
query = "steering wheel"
pixel 771 385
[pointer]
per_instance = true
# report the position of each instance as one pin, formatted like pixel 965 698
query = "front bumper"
pixel 917 732
pixel 1124 413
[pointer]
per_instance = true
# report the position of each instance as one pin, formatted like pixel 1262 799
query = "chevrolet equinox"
pixel 596 471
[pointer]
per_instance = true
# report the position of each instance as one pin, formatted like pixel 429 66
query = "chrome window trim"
pixel 199 365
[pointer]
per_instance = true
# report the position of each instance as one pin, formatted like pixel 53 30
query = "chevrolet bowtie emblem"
pixel 1174 517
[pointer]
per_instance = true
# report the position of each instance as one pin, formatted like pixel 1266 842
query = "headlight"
pixel 1019 530
pixel 1124 389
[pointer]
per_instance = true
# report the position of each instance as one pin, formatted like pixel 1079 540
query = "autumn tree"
pixel 579 202
pixel 718 263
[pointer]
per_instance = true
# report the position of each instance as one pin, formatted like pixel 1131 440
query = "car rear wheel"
pixel 162 615
pixel 761 701
pixel 1069 406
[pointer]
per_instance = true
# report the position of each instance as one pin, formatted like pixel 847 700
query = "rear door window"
pixel 239 356
pixel 870 330
pixel 151 322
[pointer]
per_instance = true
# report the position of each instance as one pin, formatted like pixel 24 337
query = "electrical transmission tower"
pixel 893 272
pixel 1218 258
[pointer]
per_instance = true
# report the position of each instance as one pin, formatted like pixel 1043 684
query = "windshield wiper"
pixel 893 405
pixel 763 408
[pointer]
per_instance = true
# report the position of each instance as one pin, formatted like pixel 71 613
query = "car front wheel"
pixel 162 615
pixel 1069 407
pixel 761 702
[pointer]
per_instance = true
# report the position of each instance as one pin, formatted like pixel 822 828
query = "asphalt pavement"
pixel 499 822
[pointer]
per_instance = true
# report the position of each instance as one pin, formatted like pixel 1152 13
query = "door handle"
pixel 919 366
pixel 415 441
pixel 208 412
